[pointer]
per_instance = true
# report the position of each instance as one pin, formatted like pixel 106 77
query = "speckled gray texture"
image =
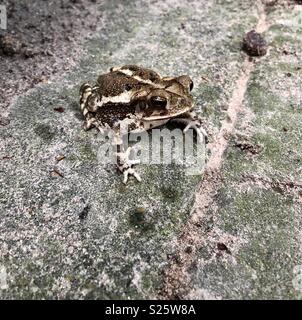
pixel 257 212
pixel 81 235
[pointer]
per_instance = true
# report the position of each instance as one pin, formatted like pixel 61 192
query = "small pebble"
pixel 140 210
pixel 60 158
pixel 9 45
pixel 222 247
pixel 254 44
pixel 59 109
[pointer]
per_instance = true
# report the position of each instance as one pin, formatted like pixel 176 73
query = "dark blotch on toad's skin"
pixel 254 44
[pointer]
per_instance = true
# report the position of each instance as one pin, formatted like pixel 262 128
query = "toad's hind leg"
pixel 88 103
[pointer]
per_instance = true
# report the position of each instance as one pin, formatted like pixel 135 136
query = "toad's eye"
pixel 191 85
pixel 158 102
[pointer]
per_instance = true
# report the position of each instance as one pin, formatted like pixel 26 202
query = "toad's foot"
pixel 194 124
pixel 125 164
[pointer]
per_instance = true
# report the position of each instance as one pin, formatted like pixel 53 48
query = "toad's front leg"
pixel 192 120
pixel 123 161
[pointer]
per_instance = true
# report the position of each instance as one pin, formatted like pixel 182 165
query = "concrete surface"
pixel 70 229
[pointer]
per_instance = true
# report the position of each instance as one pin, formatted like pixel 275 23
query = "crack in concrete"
pixel 176 276
pixel 288 187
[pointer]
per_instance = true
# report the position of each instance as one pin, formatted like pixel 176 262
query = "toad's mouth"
pixel 169 115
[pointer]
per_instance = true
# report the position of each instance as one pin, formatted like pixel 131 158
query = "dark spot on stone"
pixel 270 3
pixel 222 247
pixel 79 115
pixel 254 44
pixel 170 193
pixel 174 258
pixel 141 221
pixel 198 224
pixel 59 109
pixel 288 74
pixel 74 105
pixel 250 148
pixel 84 213
pixel 136 218
pixel 87 261
pixel 290 184
pixel 188 250
pixel 277 188
pixel 4 121
pixel 44 131
pixel 285 129
pixel 30 26
pixel 6 158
